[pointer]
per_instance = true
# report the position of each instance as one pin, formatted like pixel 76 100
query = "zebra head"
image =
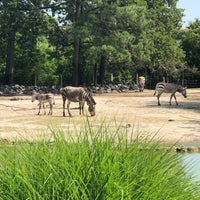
pixel 91 103
pixel 184 92
pixel 34 96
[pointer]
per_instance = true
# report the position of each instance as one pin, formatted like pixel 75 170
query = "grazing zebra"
pixel 141 83
pixel 44 98
pixel 77 94
pixel 169 88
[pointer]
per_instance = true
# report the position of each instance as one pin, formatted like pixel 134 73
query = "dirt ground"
pixel 134 111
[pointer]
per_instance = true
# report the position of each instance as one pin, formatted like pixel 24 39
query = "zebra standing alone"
pixel 169 88
pixel 77 94
pixel 141 83
pixel 44 98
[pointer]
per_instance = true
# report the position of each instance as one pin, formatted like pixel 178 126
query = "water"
pixel 192 163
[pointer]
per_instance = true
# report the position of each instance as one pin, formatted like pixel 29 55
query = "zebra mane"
pixel 61 90
pixel 90 99
pixel 34 92
pixel 180 88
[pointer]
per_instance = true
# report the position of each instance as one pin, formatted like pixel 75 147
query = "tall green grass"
pixel 94 163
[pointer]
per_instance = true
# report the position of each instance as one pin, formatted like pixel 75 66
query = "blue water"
pixel 192 165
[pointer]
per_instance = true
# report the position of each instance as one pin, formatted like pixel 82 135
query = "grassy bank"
pixel 94 163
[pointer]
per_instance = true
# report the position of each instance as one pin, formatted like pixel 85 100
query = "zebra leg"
pixel 64 100
pixel 170 102
pixel 81 107
pixel 158 97
pixel 50 110
pixel 39 108
pixel 142 87
pixel 68 109
pixel 159 92
pixel 175 100
pixel 44 109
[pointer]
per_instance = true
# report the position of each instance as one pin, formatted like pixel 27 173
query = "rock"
pixel 16 89
pixel 15 99
pixel 180 149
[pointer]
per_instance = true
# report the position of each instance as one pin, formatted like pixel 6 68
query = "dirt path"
pixel 138 111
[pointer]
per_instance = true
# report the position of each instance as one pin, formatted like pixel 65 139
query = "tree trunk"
pixel 8 77
pixel 102 70
pixel 77 43
pixel 95 74
pixel 76 63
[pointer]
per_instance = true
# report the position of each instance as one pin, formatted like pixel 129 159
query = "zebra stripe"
pixel 141 83
pixel 77 94
pixel 169 88
pixel 44 98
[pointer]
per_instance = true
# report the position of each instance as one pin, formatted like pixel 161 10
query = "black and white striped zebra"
pixel 77 94
pixel 44 98
pixel 141 83
pixel 169 88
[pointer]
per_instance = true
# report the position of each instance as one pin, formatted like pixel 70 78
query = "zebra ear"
pixel 34 92
pixel 93 101
pixel 91 98
pixel 61 89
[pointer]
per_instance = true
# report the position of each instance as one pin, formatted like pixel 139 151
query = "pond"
pixel 192 163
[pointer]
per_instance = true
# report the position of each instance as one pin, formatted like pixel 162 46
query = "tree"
pixel 9 18
pixel 26 18
pixel 117 30
pixel 71 14
pixel 2 57
pixel 190 43
pixel 166 54
pixel 88 40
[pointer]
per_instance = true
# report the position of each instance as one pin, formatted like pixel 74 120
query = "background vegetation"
pixel 93 163
pixel 59 42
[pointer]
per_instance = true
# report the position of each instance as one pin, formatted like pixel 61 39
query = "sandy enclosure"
pixel 133 111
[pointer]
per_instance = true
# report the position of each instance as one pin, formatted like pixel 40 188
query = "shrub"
pixel 93 163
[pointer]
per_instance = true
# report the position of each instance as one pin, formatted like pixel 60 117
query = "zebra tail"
pixel 154 93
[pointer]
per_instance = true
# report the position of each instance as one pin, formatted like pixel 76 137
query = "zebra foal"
pixel 169 88
pixel 77 94
pixel 44 98
pixel 141 83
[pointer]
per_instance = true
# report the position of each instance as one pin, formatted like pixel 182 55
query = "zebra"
pixel 169 88
pixel 141 83
pixel 77 94
pixel 44 98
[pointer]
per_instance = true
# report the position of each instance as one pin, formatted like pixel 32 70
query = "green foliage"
pixel 138 35
pixel 123 76
pixel 190 41
pixel 36 62
pixel 2 59
pixel 166 55
pixel 93 163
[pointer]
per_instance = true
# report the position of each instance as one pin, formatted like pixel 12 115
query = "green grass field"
pixel 96 164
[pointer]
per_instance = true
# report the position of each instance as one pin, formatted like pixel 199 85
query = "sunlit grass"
pixel 93 163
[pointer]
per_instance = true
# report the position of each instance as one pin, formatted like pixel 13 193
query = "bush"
pixel 93 163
